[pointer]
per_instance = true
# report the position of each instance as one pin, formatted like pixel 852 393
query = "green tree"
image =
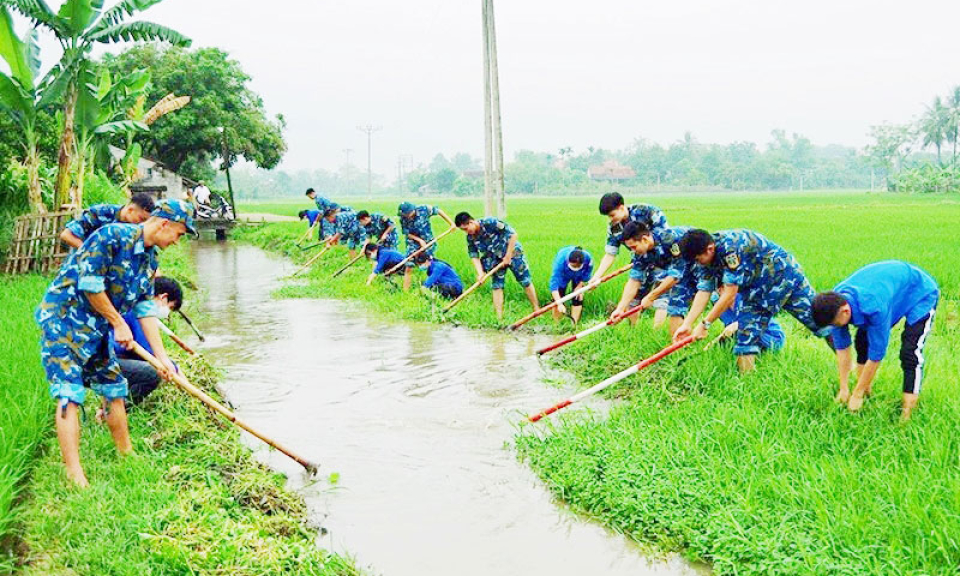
pixel 934 125
pixel 190 140
pixel 79 25
pixel 22 98
pixel 442 180
pixel 953 121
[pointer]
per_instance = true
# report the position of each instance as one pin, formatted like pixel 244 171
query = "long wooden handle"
pixel 312 260
pixel 421 249
pixel 349 264
pixel 181 381
pixel 476 285
pixel 570 296
pixel 186 347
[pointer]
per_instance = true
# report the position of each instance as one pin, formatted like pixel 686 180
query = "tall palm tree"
pixel 934 126
pixel 79 25
pixel 953 121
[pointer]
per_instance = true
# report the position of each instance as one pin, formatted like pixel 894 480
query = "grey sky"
pixel 577 73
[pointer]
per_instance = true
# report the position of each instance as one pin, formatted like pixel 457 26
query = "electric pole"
pixel 494 199
pixel 346 152
pixel 369 129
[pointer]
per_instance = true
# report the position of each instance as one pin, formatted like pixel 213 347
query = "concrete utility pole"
pixel 494 199
pixel 369 129
pixel 346 152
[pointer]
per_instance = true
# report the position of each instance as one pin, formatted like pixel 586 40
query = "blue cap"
pixel 175 211
pixel 405 207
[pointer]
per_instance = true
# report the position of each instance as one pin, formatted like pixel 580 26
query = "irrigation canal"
pixel 415 420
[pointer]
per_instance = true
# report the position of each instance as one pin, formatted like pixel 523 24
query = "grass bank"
pixel 757 474
pixel 191 500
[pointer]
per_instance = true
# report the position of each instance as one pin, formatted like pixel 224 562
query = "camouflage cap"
pixel 176 211
pixel 405 208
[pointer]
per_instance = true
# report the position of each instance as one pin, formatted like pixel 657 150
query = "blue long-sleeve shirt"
pixel 880 295
pixel 312 216
pixel 563 275
pixel 387 259
pixel 440 272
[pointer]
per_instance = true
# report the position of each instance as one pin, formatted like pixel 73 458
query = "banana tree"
pixel 133 150
pixel 101 116
pixel 79 25
pixel 22 97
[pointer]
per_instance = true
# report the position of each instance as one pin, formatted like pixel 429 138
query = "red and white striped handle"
pixel 613 379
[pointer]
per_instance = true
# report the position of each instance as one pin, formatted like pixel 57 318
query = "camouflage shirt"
pixel 651 216
pixel 113 260
pixel 378 224
pixel 93 218
pixel 665 255
pixel 747 259
pixel 419 225
pixel 492 240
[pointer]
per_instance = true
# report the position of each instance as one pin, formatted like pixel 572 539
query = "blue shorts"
pixel 69 367
pixel 518 266
pixel 793 293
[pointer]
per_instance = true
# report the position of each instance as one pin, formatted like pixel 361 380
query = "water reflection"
pixel 415 418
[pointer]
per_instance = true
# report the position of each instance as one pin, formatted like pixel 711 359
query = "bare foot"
pixel 78 478
pixel 843 396
pixel 856 401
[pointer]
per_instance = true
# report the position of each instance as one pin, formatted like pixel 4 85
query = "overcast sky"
pixel 577 74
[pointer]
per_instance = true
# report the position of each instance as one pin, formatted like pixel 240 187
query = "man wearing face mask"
pixel 141 376
pixel 572 267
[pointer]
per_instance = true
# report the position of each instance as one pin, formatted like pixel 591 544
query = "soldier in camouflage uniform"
pixel 766 276
pixel 415 224
pixel 660 277
pixel 108 276
pixel 346 227
pixel 136 211
pixel 489 242
pixel 323 204
pixel 612 206
pixel 379 229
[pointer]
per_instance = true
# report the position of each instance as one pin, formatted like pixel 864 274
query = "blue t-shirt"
pixel 880 295
pixel 312 216
pixel 440 272
pixel 562 275
pixel 387 259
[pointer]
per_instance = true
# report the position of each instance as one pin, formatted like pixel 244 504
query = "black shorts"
pixel 578 301
pixel 450 291
pixel 911 351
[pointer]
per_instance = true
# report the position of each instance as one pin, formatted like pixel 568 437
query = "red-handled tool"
pixel 613 379
pixel 589 331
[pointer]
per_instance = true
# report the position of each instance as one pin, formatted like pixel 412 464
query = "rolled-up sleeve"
pixel 94 260
pixel 146 309
pixel 841 337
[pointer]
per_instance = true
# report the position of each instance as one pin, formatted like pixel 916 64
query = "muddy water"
pixel 414 419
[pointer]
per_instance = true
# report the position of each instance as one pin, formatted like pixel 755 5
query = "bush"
pixel 927 178
pixel 99 189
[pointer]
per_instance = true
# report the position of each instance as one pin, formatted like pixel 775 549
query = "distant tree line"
pixel 902 151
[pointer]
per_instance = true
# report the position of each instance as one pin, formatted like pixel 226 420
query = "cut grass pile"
pixel 190 500
pixel 758 474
